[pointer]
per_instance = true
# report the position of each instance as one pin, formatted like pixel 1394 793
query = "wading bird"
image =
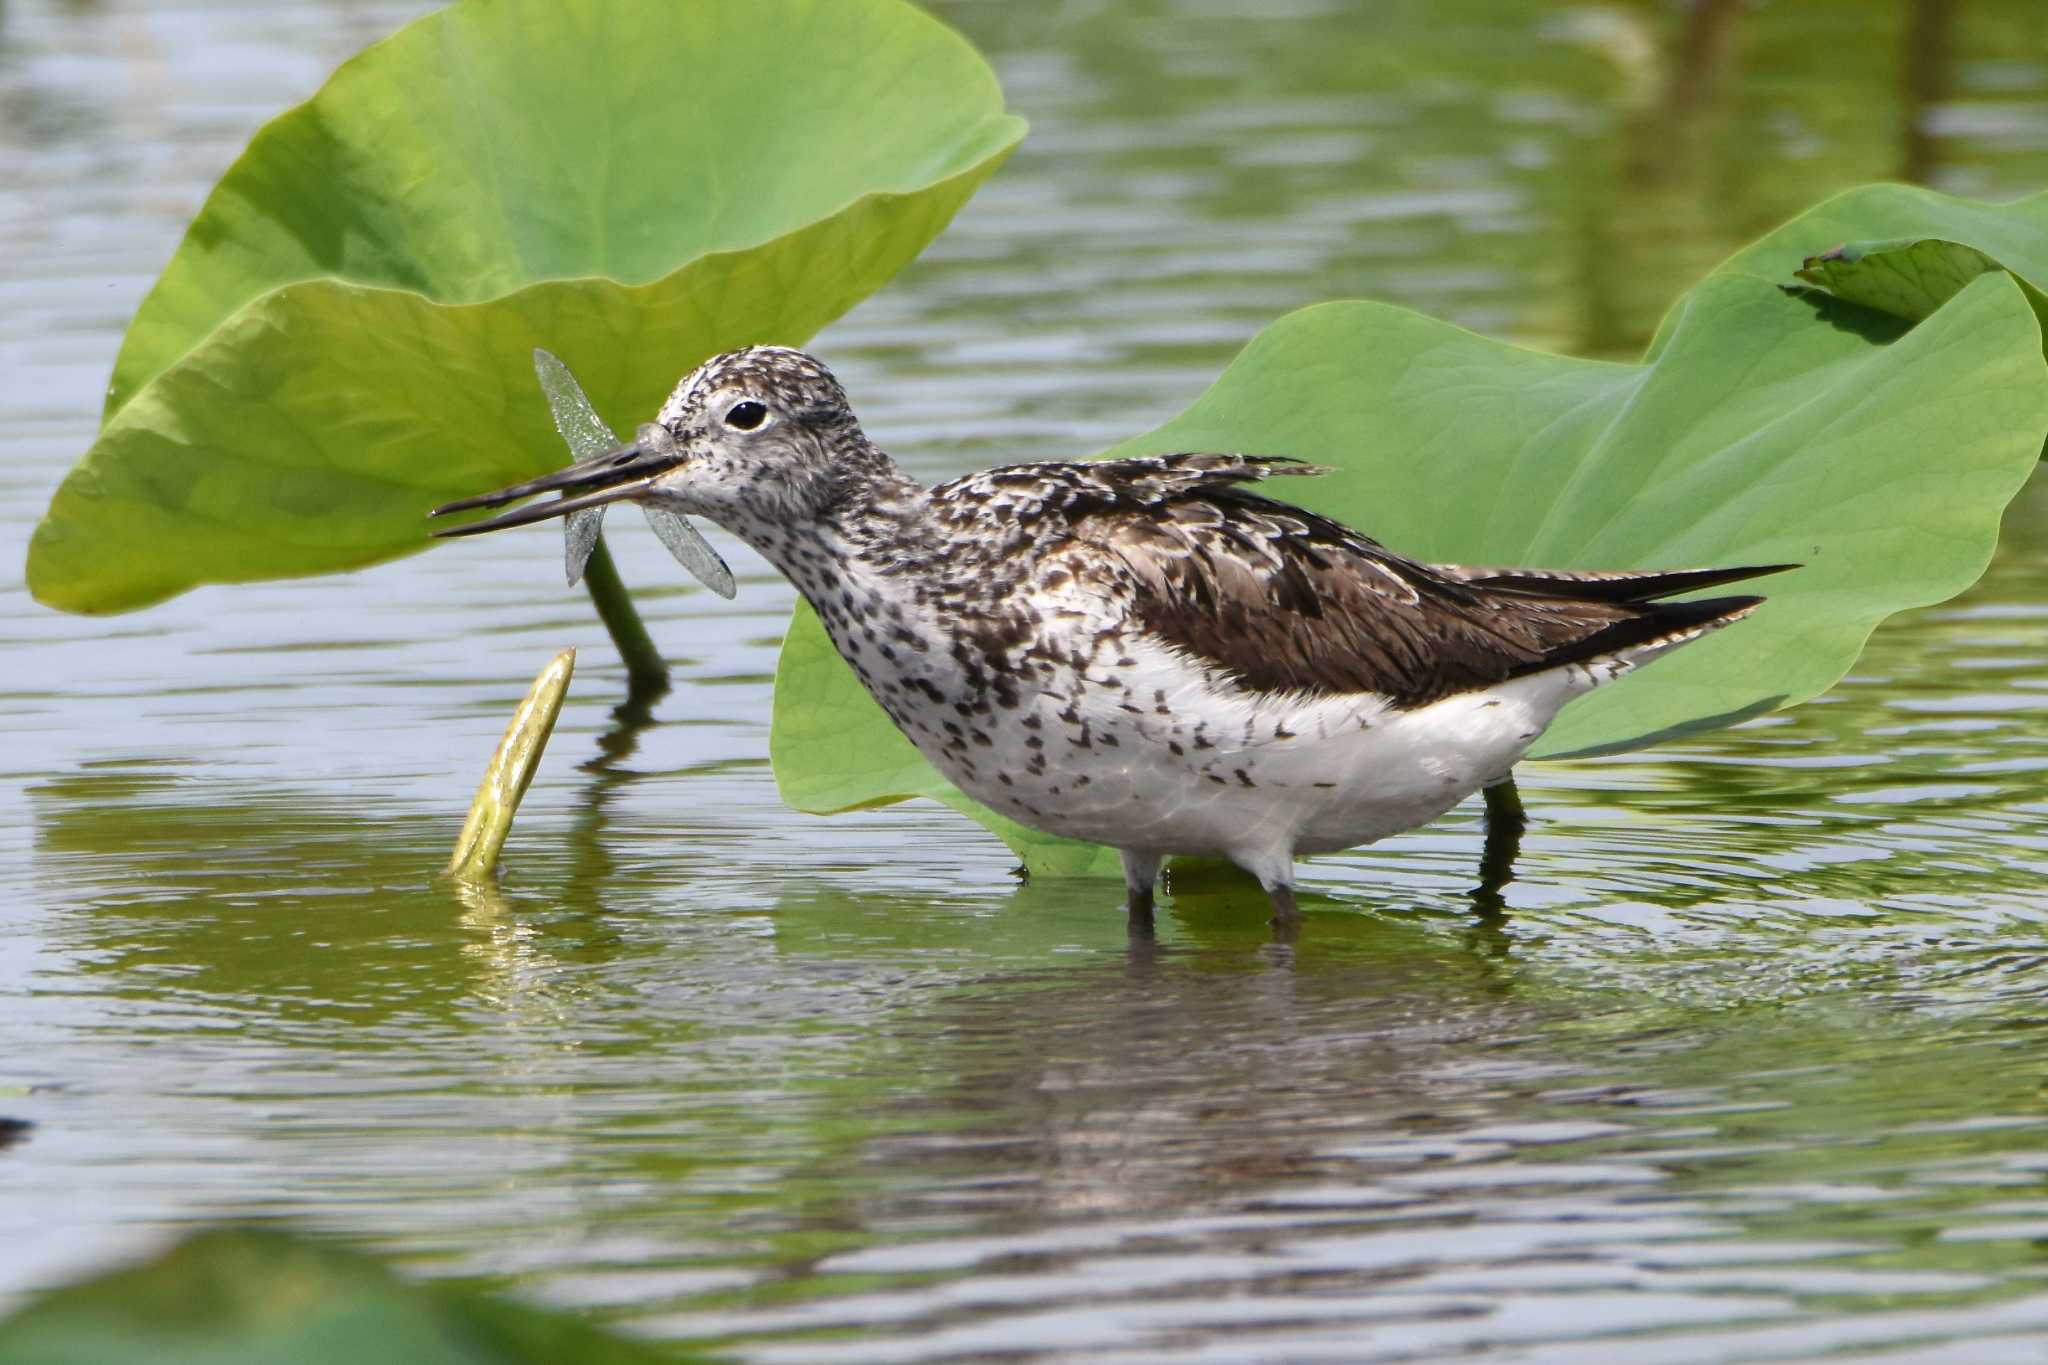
pixel 1144 653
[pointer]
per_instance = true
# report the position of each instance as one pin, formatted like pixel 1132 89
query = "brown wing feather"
pixel 1281 598
pixel 1288 601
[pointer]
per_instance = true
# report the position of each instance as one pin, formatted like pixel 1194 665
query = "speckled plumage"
pixel 1146 652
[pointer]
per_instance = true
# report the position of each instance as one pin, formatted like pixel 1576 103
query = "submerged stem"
pixel 646 670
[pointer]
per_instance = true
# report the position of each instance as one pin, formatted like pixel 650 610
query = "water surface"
pixel 1748 1064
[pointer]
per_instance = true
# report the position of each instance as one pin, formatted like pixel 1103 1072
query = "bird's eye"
pixel 746 415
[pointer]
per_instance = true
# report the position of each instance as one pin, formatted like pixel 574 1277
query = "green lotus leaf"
pixel 251 1296
pixel 1771 427
pixel 1907 278
pixel 1898 249
pixel 342 337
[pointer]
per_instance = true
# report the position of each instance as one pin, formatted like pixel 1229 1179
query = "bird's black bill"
pixel 542 511
pixel 611 477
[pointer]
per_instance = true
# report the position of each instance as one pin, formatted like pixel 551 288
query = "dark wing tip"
pixel 1676 618
pixel 1637 585
pixel 1652 588
pixel 1654 623
pixel 1714 578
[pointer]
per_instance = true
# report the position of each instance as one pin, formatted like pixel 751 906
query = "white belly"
pixel 1163 757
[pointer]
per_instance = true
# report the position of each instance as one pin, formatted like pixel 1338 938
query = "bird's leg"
pixel 1274 867
pixel 1141 874
pixel 1505 821
pixel 1286 919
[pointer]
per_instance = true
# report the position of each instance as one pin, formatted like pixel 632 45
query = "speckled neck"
pixel 874 524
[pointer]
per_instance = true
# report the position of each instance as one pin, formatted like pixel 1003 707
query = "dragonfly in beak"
pixel 606 471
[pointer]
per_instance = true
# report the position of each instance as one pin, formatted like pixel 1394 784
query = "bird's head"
pixel 761 441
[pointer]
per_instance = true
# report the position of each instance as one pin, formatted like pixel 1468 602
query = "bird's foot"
pixel 1138 906
pixel 1286 919
pixel 1141 875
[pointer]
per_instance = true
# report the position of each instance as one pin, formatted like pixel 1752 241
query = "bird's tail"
pixel 1656 630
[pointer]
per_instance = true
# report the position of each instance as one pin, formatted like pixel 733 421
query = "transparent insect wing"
pixel 582 429
pixel 586 435
pixel 674 530
pixel 579 541
pixel 691 550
